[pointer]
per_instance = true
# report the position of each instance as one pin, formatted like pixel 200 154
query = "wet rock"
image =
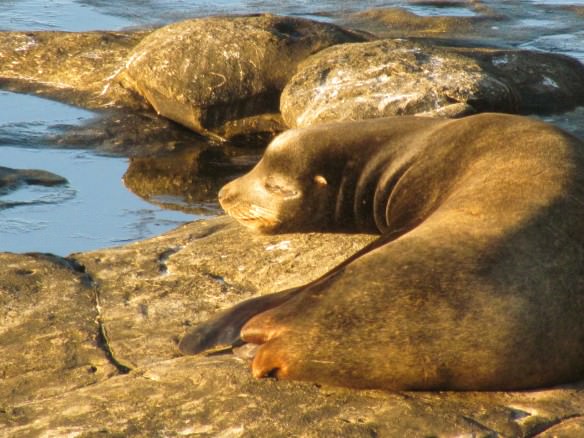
pixel 399 22
pixel 404 77
pixel 126 133
pixel 142 296
pixel 224 75
pixel 73 67
pixel 544 82
pixel 11 179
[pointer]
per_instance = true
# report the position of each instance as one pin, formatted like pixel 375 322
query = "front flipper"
pixel 224 328
pixel 280 340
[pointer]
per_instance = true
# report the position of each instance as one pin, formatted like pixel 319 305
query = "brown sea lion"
pixel 477 282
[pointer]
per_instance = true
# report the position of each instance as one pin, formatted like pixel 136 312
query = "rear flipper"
pixel 223 330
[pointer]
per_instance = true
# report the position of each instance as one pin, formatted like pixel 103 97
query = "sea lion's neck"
pixel 365 186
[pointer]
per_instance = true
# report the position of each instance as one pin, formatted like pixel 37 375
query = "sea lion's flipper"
pixel 223 329
pixel 272 359
pixel 274 354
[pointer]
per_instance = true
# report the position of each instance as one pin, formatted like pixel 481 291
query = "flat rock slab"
pixel 89 349
pixel 217 397
pixel 408 77
pixel 224 75
pixel 49 333
pixel 73 67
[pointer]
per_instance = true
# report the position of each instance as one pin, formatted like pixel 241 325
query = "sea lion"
pixel 476 283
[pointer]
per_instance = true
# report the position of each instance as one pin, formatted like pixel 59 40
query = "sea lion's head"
pixel 288 190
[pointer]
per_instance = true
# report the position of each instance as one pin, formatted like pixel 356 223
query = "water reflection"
pixel 188 179
pixel 93 211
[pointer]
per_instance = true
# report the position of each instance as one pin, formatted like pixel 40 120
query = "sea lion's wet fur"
pixel 477 281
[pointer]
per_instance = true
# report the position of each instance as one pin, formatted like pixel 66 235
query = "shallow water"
pixel 95 209
pixel 90 212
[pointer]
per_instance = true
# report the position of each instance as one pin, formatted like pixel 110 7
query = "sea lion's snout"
pixel 225 196
pixel 249 207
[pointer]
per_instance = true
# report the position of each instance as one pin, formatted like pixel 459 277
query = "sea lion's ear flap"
pixel 320 181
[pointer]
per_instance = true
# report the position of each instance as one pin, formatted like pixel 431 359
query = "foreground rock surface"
pixel 220 74
pixel 89 349
pixel 409 77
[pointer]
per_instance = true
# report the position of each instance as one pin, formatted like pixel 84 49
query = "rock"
pixel 49 330
pixel 179 278
pixel 224 75
pixel 399 22
pixel 405 77
pixel 11 179
pixel 79 68
pixel 89 348
pixel 544 82
pixel 390 77
pixel 73 67
pixel 125 133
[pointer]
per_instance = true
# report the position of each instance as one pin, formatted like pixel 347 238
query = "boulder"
pixel 545 82
pixel 223 75
pixel 411 77
pixel 89 349
pixel 390 77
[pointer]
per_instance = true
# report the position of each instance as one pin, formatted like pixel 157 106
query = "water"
pixel 25 119
pixel 95 209
pixel 92 211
